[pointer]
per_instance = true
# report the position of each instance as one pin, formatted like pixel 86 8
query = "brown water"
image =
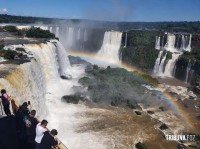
pixel 123 128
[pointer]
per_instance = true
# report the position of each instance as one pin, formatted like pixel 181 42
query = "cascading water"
pixel 85 36
pixel 42 85
pixel 51 29
pixel 188 71
pixel 183 42
pixel 188 48
pixel 64 65
pixel 157 63
pixel 110 48
pixel 157 45
pixel 79 34
pixel 170 45
pixel 170 65
pixel 162 43
pixel 70 37
pixel 57 31
pixel 125 45
pixel 161 67
pixel 173 46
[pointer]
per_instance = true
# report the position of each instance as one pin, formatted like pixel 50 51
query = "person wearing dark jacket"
pixel 49 141
pixel 31 123
pixel 5 102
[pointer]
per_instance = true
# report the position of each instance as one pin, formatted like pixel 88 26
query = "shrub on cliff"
pixel 169 55
pixel 39 33
pixel 9 54
pixel 1 46
pixel 10 28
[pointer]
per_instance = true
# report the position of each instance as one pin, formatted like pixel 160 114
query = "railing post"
pixel 1 109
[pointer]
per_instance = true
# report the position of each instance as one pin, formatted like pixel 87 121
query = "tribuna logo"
pixel 180 137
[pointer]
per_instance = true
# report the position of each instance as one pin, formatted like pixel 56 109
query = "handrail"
pixel 2 112
pixel 61 145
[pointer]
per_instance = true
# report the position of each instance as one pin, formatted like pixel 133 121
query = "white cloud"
pixel 3 10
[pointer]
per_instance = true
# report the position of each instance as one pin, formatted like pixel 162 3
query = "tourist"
pixel 49 140
pixel 6 102
pixel 31 123
pixel 21 116
pixel 40 129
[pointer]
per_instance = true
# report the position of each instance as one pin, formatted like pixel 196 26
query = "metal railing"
pixel 61 145
pixel 2 111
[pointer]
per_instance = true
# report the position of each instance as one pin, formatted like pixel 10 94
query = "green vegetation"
pixel 169 55
pixel 39 33
pixel 140 51
pixel 85 81
pixel 11 28
pixel 31 33
pixel 115 86
pixel 1 46
pixel 9 54
pixel 166 26
pixel 140 56
pixel 148 78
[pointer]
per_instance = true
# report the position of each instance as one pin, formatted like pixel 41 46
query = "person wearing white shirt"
pixel 40 129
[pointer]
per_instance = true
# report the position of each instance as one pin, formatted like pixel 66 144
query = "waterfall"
pixel 70 37
pixel 85 36
pixel 79 34
pixel 174 71
pixel 39 81
pixel 157 63
pixel 188 71
pixel 188 48
pixel 161 66
pixel 157 45
pixel 110 48
pixel 170 45
pixel 183 43
pixel 125 44
pixel 65 68
pixel 163 42
pixel 173 46
pixel 51 29
pixel 38 75
pixel 57 31
pixel 169 68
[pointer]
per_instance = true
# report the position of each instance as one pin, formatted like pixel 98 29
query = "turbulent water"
pixel 110 48
pixel 42 85
pixel 84 125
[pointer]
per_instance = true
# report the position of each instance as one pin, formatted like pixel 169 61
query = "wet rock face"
pixel 138 112
pixel 72 98
pixel 163 127
pixel 140 145
pixel 66 77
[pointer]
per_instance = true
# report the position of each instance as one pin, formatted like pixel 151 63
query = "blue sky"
pixel 112 10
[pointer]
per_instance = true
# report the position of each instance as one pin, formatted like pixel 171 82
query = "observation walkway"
pixel 8 132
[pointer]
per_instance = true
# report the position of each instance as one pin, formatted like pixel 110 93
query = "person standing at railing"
pixel 40 129
pixel 49 140
pixel 6 102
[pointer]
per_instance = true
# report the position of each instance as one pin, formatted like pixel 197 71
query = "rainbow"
pixel 170 99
